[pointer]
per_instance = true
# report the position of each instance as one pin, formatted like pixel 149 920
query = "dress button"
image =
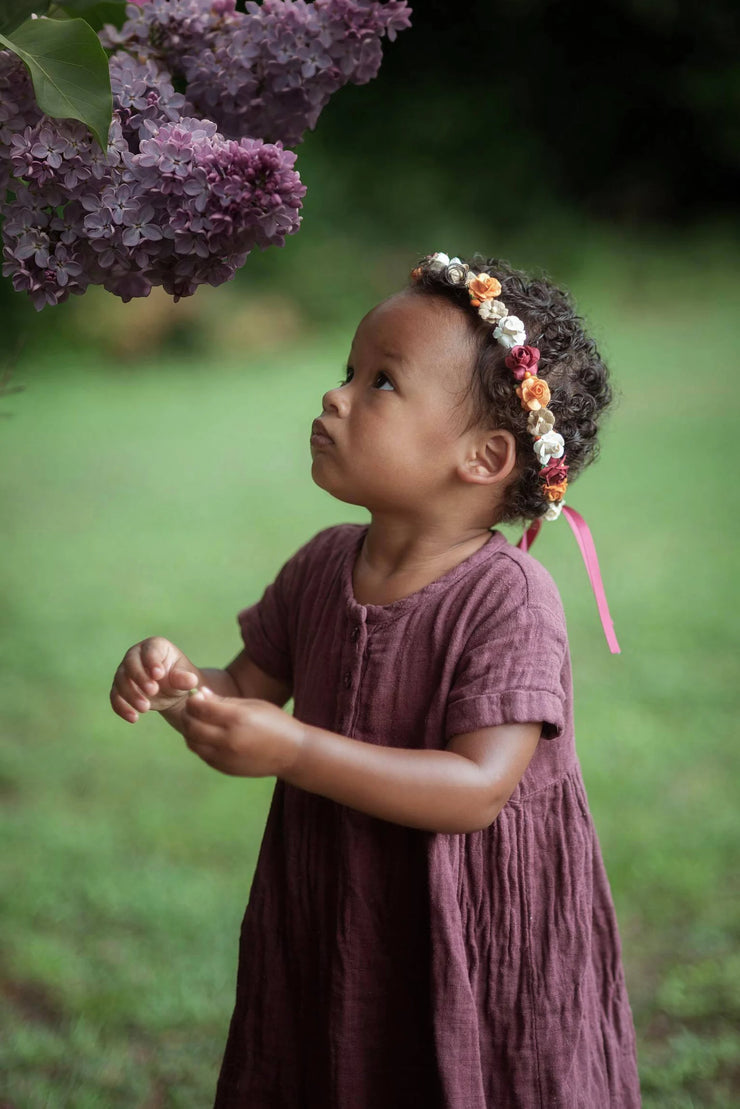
pixel 355 633
pixel 347 679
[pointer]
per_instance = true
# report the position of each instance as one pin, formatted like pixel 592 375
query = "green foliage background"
pixel 155 475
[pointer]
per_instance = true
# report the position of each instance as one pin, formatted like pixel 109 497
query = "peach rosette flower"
pixel 534 393
pixel 482 286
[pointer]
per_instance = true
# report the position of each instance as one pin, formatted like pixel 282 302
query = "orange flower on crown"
pixel 483 287
pixel 556 491
pixel 534 393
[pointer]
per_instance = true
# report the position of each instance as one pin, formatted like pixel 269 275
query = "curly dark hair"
pixel 569 362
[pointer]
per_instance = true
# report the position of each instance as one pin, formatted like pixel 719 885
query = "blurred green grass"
pixel 160 497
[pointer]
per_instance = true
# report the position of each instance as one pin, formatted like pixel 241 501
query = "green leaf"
pixel 14 12
pixel 96 12
pixel 69 69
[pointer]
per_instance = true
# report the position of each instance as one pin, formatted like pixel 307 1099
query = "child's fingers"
pixel 196 733
pixel 132 666
pixel 157 661
pixel 132 693
pixel 156 656
pixel 122 708
pixel 129 689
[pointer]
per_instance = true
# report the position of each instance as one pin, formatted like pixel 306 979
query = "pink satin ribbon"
pixel 581 531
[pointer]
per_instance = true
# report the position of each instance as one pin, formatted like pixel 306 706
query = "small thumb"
pixel 183 679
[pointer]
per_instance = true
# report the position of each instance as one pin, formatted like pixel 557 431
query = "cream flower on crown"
pixel 492 310
pixel 438 262
pixel 510 332
pixel 550 445
pixel 539 423
pixel 457 271
pixel 554 510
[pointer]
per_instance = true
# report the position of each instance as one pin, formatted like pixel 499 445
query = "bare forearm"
pixel 437 791
pixel 220 681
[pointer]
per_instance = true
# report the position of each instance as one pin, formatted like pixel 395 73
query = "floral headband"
pixel 534 393
pixel 522 360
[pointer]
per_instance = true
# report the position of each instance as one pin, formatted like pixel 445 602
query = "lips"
pixel 319 434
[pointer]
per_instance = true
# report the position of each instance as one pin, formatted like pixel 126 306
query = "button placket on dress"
pixel 353 657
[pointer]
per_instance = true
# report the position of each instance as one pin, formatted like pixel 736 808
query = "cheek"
pixel 434 436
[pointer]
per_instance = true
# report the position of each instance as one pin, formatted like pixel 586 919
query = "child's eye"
pixel 385 381
pixel 350 373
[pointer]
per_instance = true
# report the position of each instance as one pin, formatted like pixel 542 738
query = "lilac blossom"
pixel 184 190
pixel 143 91
pixel 271 69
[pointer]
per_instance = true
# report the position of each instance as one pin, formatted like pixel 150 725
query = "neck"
pixel 399 557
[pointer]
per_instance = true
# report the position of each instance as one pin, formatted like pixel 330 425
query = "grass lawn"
pixel 160 499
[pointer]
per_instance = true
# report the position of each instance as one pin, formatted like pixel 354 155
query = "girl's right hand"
pixel 153 674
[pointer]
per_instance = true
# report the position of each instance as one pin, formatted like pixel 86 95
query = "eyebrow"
pixel 394 356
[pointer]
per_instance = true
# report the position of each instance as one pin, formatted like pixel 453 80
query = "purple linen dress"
pixel 386 967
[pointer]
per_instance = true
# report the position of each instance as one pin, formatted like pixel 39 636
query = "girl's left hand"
pixel 243 737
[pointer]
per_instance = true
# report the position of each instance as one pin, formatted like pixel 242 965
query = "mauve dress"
pixel 386 967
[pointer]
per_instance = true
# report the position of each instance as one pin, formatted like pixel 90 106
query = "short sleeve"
pixel 268 627
pixel 512 670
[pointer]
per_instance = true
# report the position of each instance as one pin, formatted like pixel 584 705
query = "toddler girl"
pixel 429 925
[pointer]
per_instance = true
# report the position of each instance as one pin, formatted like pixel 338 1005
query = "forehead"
pixel 425 334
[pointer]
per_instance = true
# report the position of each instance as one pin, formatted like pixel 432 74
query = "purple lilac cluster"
pixel 271 69
pixel 177 200
pixel 171 202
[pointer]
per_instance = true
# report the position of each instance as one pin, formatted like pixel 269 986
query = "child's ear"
pixel 490 459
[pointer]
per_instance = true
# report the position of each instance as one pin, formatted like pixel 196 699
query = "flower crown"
pixel 522 360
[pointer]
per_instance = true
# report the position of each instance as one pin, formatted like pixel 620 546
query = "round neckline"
pixel 375 614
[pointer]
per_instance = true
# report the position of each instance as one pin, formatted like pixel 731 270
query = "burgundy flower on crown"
pixel 554 477
pixel 522 360
pixel 554 472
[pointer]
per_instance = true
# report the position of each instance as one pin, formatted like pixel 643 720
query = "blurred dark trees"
pixel 622 111
pixel 625 109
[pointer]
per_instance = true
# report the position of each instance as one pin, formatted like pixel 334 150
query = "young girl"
pixel 430 925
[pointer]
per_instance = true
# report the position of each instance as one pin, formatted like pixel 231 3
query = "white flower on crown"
pixel 554 510
pixel 510 332
pixel 457 271
pixel 540 422
pixel 492 310
pixel 550 445
pixel 439 262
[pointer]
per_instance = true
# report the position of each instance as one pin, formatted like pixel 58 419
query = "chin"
pixel 334 488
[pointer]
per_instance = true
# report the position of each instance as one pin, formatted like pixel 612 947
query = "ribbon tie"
pixel 581 531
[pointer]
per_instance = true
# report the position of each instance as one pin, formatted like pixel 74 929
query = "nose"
pixel 336 400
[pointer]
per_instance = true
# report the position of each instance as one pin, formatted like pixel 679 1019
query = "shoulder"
pixel 528 576
pixel 512 587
